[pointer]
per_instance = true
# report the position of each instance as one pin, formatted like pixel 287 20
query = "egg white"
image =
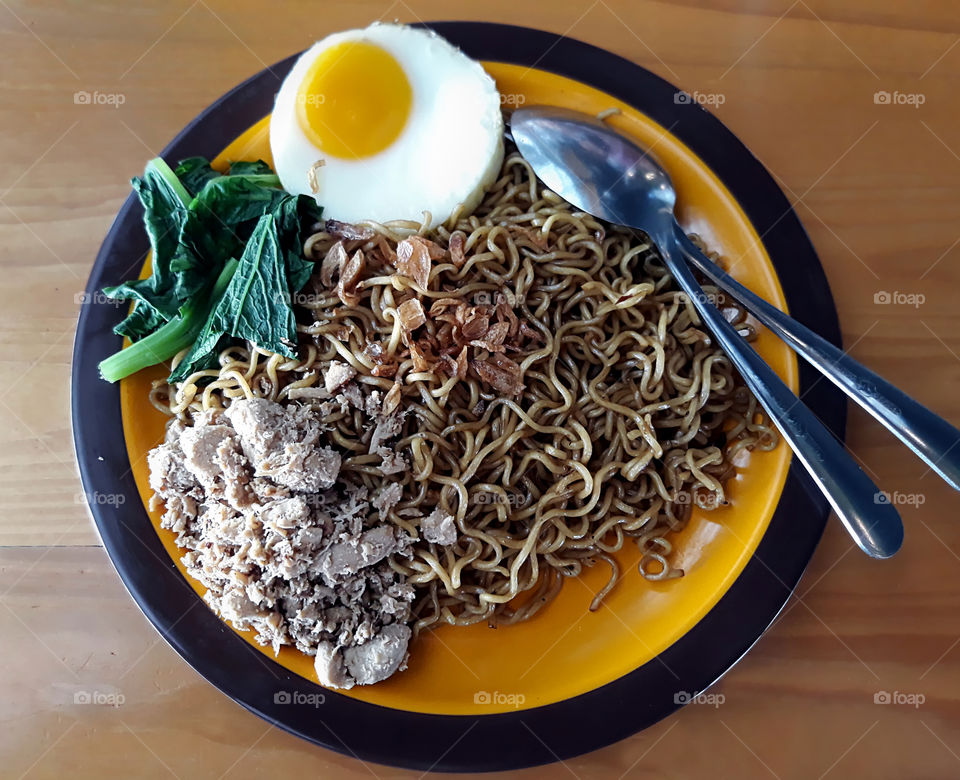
pixel 447 154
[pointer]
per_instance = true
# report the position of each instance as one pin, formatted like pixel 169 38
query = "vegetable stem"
pixel 165 172
pixel 177 334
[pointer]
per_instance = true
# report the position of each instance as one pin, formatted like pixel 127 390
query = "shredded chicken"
pixel 439 527
pixel 284 546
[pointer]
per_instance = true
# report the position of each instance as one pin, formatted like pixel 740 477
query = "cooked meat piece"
pixel 391 462
pixel 338 375
pixel 286 514
pixel 212 454
pixel 439 527
pixel 380 657
pixel 282 547
pixel 349 556
pixel 167 472
pixel 371 404
pixel 282 443
pixel 330 668
pixel 387 428
pixel 389 497
pixel 351 396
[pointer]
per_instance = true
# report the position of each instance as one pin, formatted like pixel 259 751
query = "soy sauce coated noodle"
pixel 629 413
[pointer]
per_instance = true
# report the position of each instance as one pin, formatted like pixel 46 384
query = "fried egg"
pixel 387 123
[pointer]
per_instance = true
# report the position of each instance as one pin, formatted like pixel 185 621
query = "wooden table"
pixel 876 184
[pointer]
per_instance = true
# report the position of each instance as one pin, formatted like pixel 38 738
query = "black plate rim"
pixel 444 742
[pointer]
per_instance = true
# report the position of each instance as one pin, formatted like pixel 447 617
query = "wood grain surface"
pixel 877 185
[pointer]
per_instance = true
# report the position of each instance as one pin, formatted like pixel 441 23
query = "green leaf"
pixel 220 220
pixel 243 168
pixel 165 211
pixel 233 200
pixel 197 220
pixel 255 306
pixel 294 216
pixel 173 336
pixel 144 318
pixel 194 172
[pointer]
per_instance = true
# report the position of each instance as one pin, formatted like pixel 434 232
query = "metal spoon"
pixel 607 175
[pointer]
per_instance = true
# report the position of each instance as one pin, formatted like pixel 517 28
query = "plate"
pixel 567 681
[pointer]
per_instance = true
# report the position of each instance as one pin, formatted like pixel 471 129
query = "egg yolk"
pixel 354 100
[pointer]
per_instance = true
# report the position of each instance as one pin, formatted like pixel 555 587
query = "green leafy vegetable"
pixel 292 214
pixel 177 334
pixel 194 172
pixel 165 206
pixel 197 220
pixel 242 168
pixel 255 305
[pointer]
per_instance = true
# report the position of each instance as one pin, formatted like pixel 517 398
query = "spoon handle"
pixel 929 436
pixel 873 522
